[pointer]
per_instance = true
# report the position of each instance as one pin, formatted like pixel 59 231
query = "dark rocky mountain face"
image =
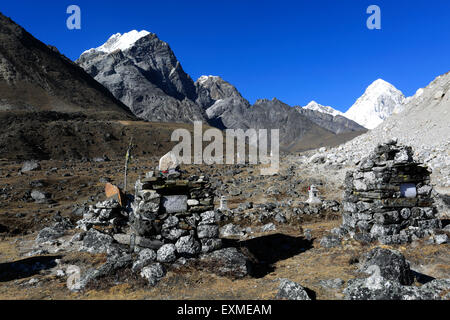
pixel 143 72
pixel 210 89
pixel 337 124
pixel 226 108
pixel 274 114
pixel 237 113
pixel 222 102
pixel 148 78
pixel 36 77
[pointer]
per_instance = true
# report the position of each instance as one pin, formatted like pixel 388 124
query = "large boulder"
pixel 228 262
pixel 97 242
pixel 393 265
pixel 187 246
pixel 168 161
pixel 377 287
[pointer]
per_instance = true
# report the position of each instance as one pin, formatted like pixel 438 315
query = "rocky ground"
pixel 270 223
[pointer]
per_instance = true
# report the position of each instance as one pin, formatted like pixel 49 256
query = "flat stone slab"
pixel 175 204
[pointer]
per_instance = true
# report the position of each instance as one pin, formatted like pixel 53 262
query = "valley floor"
pixel 288 253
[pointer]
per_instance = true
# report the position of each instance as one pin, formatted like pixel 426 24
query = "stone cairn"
pixel 167 212
pixel 388 198
pixel 170 210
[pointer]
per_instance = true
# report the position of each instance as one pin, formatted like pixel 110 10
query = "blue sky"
pixel 296 51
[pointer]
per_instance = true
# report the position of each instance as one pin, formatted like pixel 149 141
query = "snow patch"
pixel 120 41
pixel 324 109
pixel 204 78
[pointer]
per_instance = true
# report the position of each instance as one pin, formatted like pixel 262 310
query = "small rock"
pixel 60 273
pixel 330 241
pixel 280 218
pixel 441 238
pixel 332 283
pixel 31 165
pixel 268 227
pixel 193 202
pixel 48 234
pixel 207 231
pixel 187 246
pixel 291 291
pixel 146 256
pixel 40 197
pixel 167 253
pixel 96 242
pixel 153 273
pixel 168 161
pixel 231 230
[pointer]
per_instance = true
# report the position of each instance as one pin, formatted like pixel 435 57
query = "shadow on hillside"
pixel 265 251
pixel 26 268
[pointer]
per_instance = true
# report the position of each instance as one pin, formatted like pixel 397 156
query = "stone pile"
pixel 388 197
pixel 170 210
pixel 168 221
pixel 166 210
pixel 280 212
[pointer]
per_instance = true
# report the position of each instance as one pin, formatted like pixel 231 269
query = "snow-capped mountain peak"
pixel 313 105
pixel 120 41
pixel 376 104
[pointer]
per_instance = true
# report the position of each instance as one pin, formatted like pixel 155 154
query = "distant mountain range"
pixel 142 71
pixel 138 74
pixel 330 119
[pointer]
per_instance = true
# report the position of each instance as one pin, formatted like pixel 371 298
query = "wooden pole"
pixel 127 157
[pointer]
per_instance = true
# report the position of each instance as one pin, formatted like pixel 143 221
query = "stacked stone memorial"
pixel 388 197
pixel 170 210
pixel 168 220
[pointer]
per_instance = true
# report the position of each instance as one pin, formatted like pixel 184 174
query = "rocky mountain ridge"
pixel 335 123
pixel 146 76
pixel 36 77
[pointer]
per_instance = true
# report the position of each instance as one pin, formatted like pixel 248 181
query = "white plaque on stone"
pixel 174 204
pixel 408 190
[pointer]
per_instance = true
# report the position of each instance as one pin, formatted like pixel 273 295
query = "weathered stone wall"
pixel 166 210
pixel 170 210
pixel 388 197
